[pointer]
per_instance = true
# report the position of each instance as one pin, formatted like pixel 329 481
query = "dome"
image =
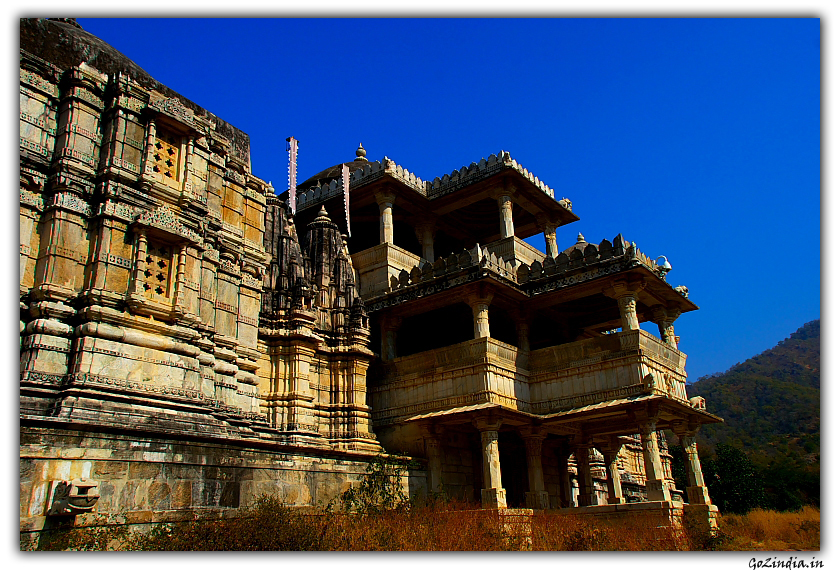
pixel 334 172
pixel 580 244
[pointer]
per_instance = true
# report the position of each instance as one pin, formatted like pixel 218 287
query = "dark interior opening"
pixel 514 465
pixel 435 329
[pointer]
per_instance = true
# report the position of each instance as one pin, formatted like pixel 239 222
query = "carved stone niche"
pixel 73 497
pixel 160 256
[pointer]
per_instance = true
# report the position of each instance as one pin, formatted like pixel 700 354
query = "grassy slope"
pixel 771 402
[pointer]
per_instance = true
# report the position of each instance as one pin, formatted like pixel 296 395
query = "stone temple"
pixel 189 341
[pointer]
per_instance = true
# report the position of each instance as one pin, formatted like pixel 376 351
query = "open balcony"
pixel 546 381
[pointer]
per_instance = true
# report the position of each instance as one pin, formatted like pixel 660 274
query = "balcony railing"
pixel 604 368
pixel 513 248
pixel 379 268
pixel 472 372
pixel 557 378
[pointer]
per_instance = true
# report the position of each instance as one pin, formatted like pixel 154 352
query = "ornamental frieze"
pixel 174 108
pixel 118 210
pixel 37 82
pixel 84 95
pixel 94 380
pixel 165 219
pixel 28 198
pixel 34 147
pixel 47 125
pixel 71 202
pixel 130 103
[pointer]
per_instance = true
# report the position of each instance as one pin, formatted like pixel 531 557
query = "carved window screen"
pixel 166 155
pixel 158 274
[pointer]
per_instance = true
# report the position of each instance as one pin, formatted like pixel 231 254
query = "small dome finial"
pixel 581 239
pixel 360 154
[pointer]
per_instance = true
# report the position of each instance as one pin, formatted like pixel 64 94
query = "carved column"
pixel 550 233
pixel 565 480
pixel 493 495
pixel 505 216
pixel 425 231
pixel 627 294
pixel 523 331
pixel 181 270
pixel 698 493
pixel 151 133
pixel 433 454
pixel 610 453
pixel 103 248
pixel 627 305
pixel 586 487
pixel 386 217
pixel 481 315
pixel 537 497
pixel 188 168
pixel 390 326
pixel 665 318
pixel 656 486
pixel 140 253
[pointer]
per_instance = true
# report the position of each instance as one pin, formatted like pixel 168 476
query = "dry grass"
pixel 449 526
pixel 771 530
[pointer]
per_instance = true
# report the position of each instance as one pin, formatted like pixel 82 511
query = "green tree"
pixel 734 482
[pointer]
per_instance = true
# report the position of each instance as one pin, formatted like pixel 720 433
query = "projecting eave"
pixel 468 185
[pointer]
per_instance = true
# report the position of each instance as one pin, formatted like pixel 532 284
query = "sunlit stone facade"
pixel 189 340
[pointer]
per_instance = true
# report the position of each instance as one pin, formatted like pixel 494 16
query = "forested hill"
pixel 771 402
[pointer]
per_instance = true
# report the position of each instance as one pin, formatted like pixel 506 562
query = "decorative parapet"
pixel 440 186
pixel 618 250
pixel 476 257
pixel 483 169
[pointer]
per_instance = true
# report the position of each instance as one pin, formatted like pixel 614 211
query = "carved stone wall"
pixel 145 268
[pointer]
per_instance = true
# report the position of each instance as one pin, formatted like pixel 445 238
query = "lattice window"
pixel 157 277
pixel 166 155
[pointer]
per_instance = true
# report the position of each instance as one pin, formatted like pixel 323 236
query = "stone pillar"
pixel 426 236
pixel 698 493
pixel 386 218
pixel 103 248
pixel 523 331
pixel 610 452
pixel 626 293
pixel 537 497
pixel 481 315
pixel 432 442
pixel 657 488
pixel 565 480
pixel 493 495
pixel 629 319
pixel 139 277
pixel 550 233
pixel 586 487
pixel 665 318
pixel 151 133
pixel 390 326
pixel 505 216
pixel 179 279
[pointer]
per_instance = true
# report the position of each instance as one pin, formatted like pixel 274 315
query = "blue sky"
pixel 698 139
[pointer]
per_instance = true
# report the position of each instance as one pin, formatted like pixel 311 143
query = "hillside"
pixel 771 403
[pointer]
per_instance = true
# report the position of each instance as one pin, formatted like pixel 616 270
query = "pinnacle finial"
pixel 360 154
pixel 581 239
